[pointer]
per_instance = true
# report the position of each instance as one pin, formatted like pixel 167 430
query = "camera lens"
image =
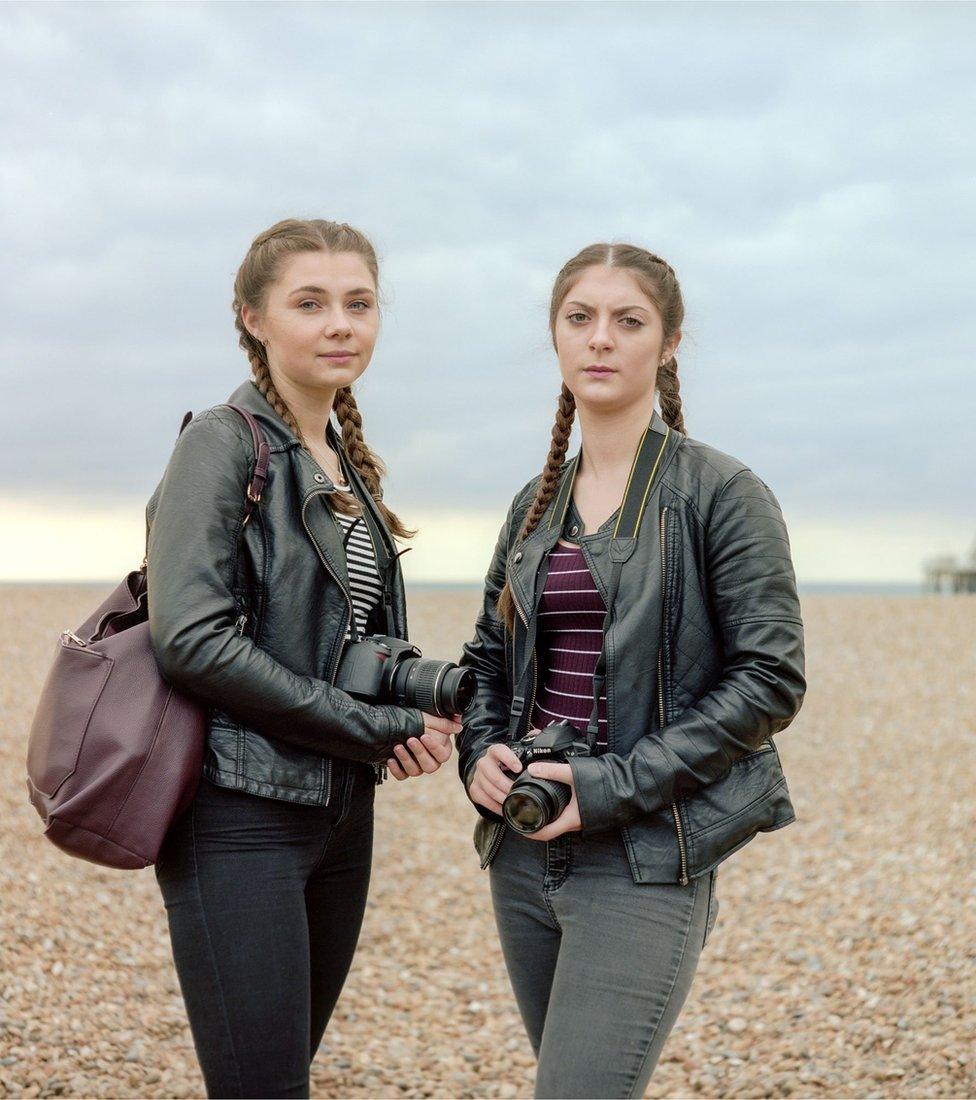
pixel 534 803
pixel 524 811
pixel 438 687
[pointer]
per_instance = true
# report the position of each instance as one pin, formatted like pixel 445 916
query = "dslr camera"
pixel 533 803
pixel 381 669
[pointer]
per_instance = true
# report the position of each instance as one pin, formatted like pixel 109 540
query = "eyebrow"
pixel 322 290
pixel 623 309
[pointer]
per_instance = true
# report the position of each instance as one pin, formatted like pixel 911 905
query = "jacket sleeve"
pixel 193 548
pixel 487 717
pixel 753 596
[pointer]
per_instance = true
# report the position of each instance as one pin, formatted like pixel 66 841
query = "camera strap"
pixel 644 469
pixel 647 461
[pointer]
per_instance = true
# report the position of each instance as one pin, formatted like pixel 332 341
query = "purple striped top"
pixel 571 612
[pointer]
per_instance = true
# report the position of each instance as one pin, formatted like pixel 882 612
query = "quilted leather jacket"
pixel 704 665
pixel 250 619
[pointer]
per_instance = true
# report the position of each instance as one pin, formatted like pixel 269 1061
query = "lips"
pixel 600 371
pixel 337 355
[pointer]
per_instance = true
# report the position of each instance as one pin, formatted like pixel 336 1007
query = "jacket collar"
pixel 527 556
pixel 319 522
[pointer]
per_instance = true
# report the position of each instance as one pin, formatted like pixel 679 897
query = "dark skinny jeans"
pixel 265 901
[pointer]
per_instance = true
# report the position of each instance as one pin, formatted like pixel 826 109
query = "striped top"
pixel 365 586
pixel 571 613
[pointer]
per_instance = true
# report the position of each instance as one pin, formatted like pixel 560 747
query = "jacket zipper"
pixel 683 877
pixel 335 665
pixel 496 840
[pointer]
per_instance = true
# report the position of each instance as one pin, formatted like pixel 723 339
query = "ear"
pixel 675 341
pixel 252 322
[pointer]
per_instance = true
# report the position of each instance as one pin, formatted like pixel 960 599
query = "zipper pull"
pixel 241 623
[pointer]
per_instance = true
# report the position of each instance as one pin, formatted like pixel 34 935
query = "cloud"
pixel 805 168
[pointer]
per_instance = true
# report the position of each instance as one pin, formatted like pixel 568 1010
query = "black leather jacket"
pixel 250 621
pixel 704 665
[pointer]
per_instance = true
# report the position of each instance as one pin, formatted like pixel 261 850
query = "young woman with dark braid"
pixel 603 912
pixel 265 877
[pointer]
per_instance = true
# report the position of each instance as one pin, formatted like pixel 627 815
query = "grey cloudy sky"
pixel 807 169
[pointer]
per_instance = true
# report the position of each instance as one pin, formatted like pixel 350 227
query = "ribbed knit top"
pixel 570 635
pixel 365 586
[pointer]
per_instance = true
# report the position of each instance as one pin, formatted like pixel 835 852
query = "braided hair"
pixel 256 274
pixel 657 279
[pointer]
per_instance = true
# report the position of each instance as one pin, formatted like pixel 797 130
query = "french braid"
pixel 257 272
pixel 659 282
pixel 562 429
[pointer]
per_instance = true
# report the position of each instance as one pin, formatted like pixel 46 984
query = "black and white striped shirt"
pixel 365 586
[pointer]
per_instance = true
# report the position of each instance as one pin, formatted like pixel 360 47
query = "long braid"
pixel 368 464
pixel 257 272
pixel 669 395
pixel 548 484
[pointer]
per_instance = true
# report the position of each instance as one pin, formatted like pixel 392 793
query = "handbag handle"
pixel 259 472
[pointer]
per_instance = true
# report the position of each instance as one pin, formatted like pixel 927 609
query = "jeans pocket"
pixel 712 906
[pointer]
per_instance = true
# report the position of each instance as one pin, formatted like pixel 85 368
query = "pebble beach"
pixel 842 964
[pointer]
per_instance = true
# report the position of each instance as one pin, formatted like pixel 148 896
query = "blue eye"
pixel 365 306
pixel 308 302
pixel 574 315
pixel 638 323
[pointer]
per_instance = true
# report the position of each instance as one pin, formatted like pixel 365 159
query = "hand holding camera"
pixel 529 783
pixel 425 754
pixel 384 669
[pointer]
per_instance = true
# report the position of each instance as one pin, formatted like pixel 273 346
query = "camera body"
pixel 383 669
pixel 532 803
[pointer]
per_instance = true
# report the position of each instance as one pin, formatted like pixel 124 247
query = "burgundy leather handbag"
pixel 115 753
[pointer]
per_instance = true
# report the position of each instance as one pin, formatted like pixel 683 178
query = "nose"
pixel 337 324
pixel 601 338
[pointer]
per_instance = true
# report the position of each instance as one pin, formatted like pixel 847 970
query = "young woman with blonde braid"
pixel 265 877
pixel 677 645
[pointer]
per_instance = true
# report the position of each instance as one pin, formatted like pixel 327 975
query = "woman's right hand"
pixel 490 784
pixel 424 755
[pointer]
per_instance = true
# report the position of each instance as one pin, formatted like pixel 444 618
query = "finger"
pixel 395 770
pixel 500 793
pixel 438 724
pixel 562 773
pixel 407 762
pixel 493 775
pixel 483 798
pixel 439 749
pixel 504 755
pixel 422 756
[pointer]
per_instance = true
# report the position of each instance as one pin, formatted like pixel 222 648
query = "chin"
pixel 326 375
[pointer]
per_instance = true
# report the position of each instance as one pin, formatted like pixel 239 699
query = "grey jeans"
pixel 600 965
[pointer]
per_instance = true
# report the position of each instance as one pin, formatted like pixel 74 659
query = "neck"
pixel 610 437
pixel 311 406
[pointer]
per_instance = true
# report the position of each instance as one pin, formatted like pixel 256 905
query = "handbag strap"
pixel 259 472
pixel 262 455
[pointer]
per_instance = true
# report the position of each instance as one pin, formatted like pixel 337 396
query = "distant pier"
pixel 947 574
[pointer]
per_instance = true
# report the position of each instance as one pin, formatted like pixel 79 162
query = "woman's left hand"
pixel 569 820
pixel 424 755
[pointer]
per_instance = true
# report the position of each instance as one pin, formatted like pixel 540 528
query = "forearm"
pixel 756 613
pixel 234 674
pixel 749 705
pixel 194 543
